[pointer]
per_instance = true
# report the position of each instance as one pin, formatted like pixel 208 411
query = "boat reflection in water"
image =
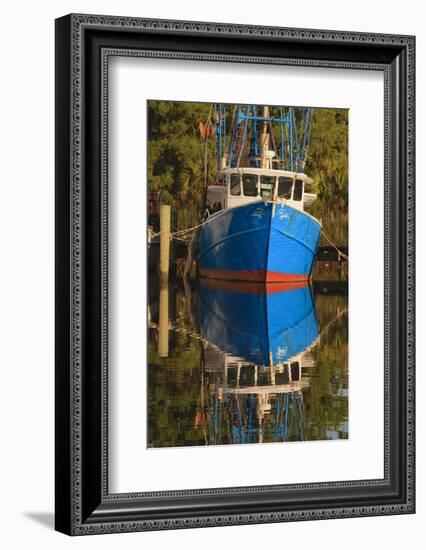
pixel 246 362
pixel 255 360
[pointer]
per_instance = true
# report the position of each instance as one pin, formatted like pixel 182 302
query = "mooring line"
pixel 335 247
pixel 182 234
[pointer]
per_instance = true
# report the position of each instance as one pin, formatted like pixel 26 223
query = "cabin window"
pixel 247 375
pixel 298 190
pixel 250 185
pixel 232 374
pixel 285 186
pixel 295 372
pixel 214 201
pixel 235 184
pixel 267 184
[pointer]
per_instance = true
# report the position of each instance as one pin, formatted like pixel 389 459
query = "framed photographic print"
pixel 234 274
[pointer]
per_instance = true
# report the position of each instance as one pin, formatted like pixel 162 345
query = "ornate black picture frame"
pixel 84 44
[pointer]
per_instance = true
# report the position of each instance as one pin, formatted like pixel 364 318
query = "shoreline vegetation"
pixel 181 164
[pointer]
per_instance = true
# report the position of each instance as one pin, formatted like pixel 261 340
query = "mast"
pixel 264 138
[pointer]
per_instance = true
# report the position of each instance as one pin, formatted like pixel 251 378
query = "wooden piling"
pixel 163 324
pixel 163 328
pixel 164 239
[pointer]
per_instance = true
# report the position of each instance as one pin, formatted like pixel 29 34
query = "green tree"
pixel 175 156
pixel 327 164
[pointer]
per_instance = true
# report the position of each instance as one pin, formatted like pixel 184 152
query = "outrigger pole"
pixel 251 130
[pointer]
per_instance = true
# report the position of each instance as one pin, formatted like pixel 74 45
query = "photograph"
pixel 248 270
pixel 234 271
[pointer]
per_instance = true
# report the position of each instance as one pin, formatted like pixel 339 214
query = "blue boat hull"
pixel 265 324
pixel 258 242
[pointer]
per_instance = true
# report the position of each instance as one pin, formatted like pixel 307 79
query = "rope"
pixel 334 246
pixel 181 234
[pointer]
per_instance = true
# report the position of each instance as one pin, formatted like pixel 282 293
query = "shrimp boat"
pixel 256 227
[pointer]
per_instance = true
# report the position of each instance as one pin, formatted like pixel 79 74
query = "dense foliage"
pixel 180 163
pixel 327 165
pixel 176 157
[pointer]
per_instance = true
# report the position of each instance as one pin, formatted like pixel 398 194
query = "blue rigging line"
pixel 294 128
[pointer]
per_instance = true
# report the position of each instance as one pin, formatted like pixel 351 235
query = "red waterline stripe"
pixel 249 287
pixel 259 276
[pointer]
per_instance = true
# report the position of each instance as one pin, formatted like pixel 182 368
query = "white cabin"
pixel 239 186
pixel 242 376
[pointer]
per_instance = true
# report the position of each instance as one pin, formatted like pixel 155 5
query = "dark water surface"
pixel 232 363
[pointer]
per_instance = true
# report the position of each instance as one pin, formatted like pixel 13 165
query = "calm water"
pixel 230 364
